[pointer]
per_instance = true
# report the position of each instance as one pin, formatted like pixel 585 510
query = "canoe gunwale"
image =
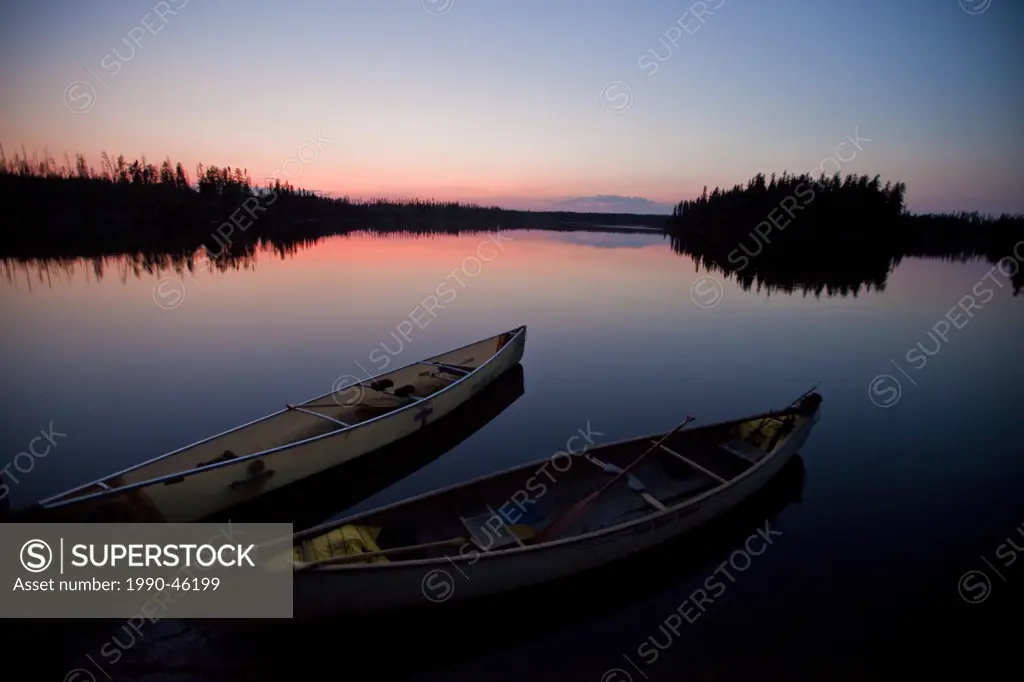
pixel 617 528
pixel 62 500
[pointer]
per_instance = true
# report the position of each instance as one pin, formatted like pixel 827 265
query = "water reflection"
pixel 850 273
pixel 138 265
pixel 617 344
pixel 833 269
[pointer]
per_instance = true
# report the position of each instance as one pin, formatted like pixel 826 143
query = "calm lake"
pixel 911 479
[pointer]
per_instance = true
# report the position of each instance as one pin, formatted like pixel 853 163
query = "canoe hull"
pixel 208 492
pixel 321 497
pixel 326 594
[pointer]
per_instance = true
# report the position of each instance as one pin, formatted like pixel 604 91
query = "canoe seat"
pixel 343 541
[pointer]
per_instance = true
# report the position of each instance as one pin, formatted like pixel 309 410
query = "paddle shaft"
pixel 382 552
pixel 581 507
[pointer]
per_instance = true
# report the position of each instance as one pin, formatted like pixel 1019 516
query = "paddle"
pixel 566 520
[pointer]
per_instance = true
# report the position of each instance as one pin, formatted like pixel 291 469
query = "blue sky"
pixel 523 103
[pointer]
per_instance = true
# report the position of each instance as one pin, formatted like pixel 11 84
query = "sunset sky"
pixel 579 104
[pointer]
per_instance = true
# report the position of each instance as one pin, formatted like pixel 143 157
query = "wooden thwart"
pixel 691 463
pixel 317 414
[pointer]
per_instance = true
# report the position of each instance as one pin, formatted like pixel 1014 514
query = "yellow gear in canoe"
pixel 343 541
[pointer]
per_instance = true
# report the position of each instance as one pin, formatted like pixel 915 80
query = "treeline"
pixel 72 209
pixel 784 199
pixel 827 234
pixel 796 232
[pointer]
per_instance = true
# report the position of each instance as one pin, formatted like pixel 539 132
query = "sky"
pixel 567 104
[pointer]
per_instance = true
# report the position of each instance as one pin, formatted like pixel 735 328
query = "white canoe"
pixel 328 494
pixel 299 441
pixel 479 537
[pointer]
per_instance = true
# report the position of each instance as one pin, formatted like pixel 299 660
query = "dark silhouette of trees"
pixel 794 231
pixel 789 232
pixel 794 199
pixel 135 206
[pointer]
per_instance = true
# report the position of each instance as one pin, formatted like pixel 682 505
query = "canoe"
pixel 294 443
pixel 487 535
pixel 329 494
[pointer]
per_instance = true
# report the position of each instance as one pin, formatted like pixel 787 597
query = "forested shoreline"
pixel 800 232
pixel 790 231
pixel 72 209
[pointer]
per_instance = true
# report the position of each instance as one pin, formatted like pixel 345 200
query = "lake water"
pixel 911 478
